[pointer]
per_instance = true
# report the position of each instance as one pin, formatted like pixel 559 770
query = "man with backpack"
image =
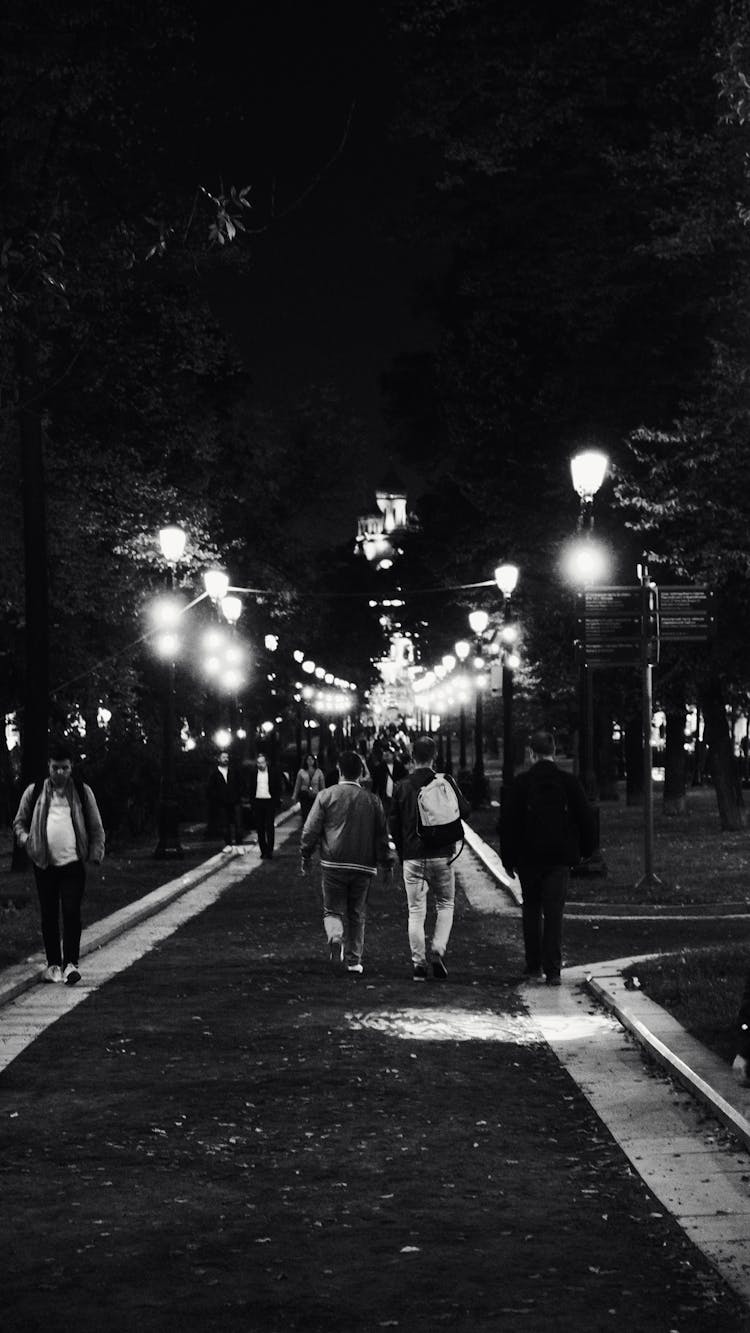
pixel 546 826
pixel 59 824
pixel 425 824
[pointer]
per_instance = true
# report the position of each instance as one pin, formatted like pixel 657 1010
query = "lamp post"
pixel 172 542
pixel 478 622
pixel 462 650
pixel 506 578
pixel 588 470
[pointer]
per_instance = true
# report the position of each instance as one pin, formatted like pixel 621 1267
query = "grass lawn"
pixel 127 873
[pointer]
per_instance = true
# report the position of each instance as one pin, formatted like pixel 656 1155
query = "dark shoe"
pixel 71 975
pixel 554 979
pixel 532 978
pixel 336 954
pixel 439 970
pixel 419 972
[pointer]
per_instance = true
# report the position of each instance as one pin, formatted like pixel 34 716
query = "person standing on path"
pixel 223 796
pixel 546 826
pixel 264 791
pixel 385 775
pixel 307 784
pixel 349 825
pixel 59 824
pixel 425 868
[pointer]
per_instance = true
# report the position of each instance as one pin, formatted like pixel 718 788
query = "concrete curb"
pixel 682 1056
pixel 22 976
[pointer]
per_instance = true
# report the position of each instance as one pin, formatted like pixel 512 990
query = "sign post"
pixel 626 626
pixel 649 880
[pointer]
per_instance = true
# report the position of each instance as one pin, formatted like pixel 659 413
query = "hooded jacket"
pixel 30 823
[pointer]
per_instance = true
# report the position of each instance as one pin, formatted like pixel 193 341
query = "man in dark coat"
pixel 385 775
pixel 223 798
pixel 546 826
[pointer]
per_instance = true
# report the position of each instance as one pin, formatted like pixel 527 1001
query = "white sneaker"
pixel 71 974
pixel 53 973
pixel 355 967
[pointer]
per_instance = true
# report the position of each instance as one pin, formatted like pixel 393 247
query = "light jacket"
pixel 349 823
pixel 30 823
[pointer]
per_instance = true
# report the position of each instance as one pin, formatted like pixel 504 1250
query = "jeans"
pixel 61 886
pixel 345 909
pixel 434 873
pixel 544 890
pixel 263 815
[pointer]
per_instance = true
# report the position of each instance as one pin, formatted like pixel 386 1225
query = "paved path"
pixel 700 1174
pixel 693 1166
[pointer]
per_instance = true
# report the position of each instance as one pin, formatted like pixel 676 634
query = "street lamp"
pixel 462 650
pixel 506 578
pixel 588 470
pixel 478 622
pixel 172 541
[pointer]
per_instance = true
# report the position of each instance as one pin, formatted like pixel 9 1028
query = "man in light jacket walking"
pixel 59 824
pixel 349 825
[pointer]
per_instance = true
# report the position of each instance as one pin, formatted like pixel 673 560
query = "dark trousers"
pixel 263 814
pixel 543 890
pixel 61 887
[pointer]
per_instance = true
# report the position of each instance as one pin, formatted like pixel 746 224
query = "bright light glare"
pixel 216 582
pixel 585 562
pixel 167 645
pixel 212 666
pixel 448 1025
pixel 506 578
pixel 166 611
pixel 223 738
pixel 213 639
pixel 231 609
pixel 172 541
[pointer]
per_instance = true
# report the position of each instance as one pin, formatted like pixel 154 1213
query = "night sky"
pixel 333 294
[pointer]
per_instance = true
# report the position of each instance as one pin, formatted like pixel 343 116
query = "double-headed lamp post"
pixel 506 578
pixel 478 622
pixel 172 542
pixel 462 650
pixel 588 470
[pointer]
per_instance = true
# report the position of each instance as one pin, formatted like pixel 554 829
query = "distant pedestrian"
pixel 223 798
pixel 425 867
pixel 308 782
pixel 59 824
pixel 741 1065
pixel 349 825
pixel 385 775
pixel 546 827
pixel 265 782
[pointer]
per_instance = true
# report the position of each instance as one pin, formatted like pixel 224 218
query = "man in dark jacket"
pixel 546 826
pixel 425 868
pixel 223 798
pixel 385 775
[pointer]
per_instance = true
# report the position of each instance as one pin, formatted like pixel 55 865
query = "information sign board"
pixel 613 601
pixel 685 614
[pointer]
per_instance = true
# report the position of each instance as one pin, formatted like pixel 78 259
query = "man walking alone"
pixel 59 824
pixel 546 826
pixel 349 824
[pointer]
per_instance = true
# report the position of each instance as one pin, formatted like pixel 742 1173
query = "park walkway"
pixel 212 1129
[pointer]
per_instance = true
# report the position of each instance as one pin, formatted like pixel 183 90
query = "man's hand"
pixel 739 1069
pixel 303 866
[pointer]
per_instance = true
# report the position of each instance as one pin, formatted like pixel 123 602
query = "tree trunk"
pixel 633 758
pixel 35 718
pixel 675 798
pixel 724 773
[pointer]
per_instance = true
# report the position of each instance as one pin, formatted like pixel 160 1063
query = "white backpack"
pixel 438 815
